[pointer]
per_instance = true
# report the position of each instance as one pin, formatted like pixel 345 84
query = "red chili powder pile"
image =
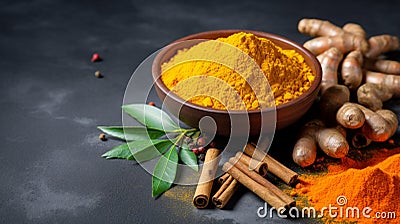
pixel 362 191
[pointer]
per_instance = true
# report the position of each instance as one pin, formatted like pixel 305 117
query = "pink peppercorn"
pixel 195 151
pixel 212 144
pixel 201 141
pixel 95 57
pixel 202 149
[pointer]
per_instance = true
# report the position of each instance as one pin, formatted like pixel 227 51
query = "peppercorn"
pixel 151 103
pixel 102 137
pixel 98 74
pixel 95 57
pixel 212 144
pixel 195 151
pixel 201 141
pixel 201 149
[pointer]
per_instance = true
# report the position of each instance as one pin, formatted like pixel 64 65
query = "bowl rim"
pixel 270 36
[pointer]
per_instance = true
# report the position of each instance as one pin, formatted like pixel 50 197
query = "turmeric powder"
pixel 373 183
pixel 234 85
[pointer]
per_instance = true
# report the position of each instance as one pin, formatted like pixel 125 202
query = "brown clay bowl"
pixel 191 114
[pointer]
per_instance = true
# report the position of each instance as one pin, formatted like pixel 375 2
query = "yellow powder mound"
pixel 215 74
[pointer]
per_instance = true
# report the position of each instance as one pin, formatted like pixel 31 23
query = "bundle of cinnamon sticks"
pixel 248 169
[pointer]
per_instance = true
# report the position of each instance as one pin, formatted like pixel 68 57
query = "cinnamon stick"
pixel 278 169
pixel 254 186
pixel 228 188
pixel 230 185
pixel 203 189
pixel 223 178
pixel 224 186
pixel 289 201
pixel 261 167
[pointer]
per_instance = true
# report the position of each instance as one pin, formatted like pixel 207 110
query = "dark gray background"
pixel 51 103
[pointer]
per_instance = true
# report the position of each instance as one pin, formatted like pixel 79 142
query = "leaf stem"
pixel 181 130
pixel 179 139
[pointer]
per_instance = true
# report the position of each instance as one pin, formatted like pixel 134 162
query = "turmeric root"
pixel 329 60
pixel 333 96
pixel 391 119
pixel 332 142
pixel 379 126
pixel 305 149
pixel 345 42
pixel 329 140
pixel 360 64
pixel 382 44
pixel 316 27
pixel 355 29
pixel 330 102
pixel 392 82
pixel 373 95
pixel 381 65
pixel 352 73
pixel 341 130
pixel 350 116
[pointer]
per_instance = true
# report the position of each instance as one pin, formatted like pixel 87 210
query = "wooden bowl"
pixel 191 114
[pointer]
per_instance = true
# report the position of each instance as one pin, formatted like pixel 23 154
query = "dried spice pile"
pixel 373 183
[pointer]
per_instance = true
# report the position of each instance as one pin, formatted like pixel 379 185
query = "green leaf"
pixel 131 133
pixel 151 117
pixel 188 157
pixel 164 172
pixel 119 152
pixel 147 149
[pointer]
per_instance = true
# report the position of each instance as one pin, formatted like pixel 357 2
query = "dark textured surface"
pixel 51 170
